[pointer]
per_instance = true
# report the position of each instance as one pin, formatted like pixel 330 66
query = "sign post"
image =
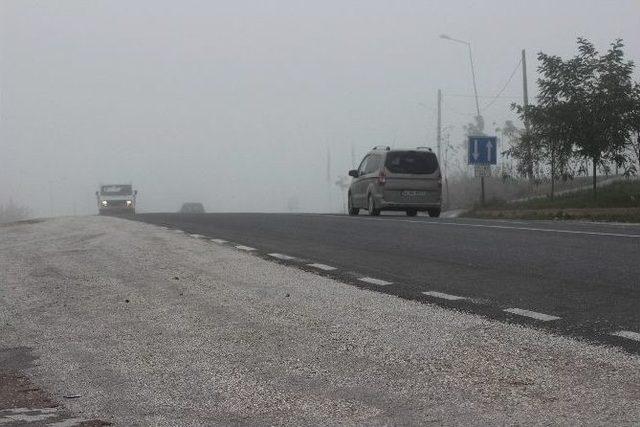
pixel 482 153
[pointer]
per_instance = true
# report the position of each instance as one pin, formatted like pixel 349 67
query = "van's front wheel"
pixel 352 211
pixel 412 212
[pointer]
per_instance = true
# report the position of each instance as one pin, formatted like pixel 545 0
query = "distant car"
pixel 193 207
pixel 116 199
pixel 396 180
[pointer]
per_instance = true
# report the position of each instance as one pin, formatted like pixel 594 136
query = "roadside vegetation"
pixel 619 201
pixel 12 212
pixel 586 118
pixel 582 131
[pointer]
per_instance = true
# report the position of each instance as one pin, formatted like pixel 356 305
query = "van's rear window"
pixel 418 162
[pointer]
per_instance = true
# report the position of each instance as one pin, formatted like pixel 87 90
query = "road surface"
pixel 580 279
pixel 110 320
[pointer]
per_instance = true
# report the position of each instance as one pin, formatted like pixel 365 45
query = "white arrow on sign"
pixel 475 150
pixel 489 146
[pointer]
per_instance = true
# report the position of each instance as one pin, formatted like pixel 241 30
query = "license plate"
pixel 408 193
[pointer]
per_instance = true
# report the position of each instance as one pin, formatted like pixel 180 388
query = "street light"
pixel 473 72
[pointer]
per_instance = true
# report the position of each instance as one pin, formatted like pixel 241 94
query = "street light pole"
pixel 479 120
pixel 473 71
pixel 473 74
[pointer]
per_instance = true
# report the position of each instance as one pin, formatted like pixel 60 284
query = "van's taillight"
pixel 382 178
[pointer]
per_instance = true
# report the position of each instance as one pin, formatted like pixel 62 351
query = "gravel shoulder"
pixel 153 327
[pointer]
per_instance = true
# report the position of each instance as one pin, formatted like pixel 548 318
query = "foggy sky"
pixel 238 103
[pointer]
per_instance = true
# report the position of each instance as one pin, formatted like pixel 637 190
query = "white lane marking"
pixel 628 335
pixel 373 281
pixel 178 231
pixel 322 267
pixel 245 248
pixel 501 227
pixel 533 314
pixel 27 415
pixel 282 256
pixel 70 422
pixel 197 236
pixel 443 295
pixel 219 241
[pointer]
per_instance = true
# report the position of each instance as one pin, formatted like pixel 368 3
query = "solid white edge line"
pixel 322 267
pixel 532 314
pixel 245 248
pixel 281 256
pixel 197 236
pixel 635 336
pixel 219 241
pixel 373 281
pixel 501 227
pixel 443 296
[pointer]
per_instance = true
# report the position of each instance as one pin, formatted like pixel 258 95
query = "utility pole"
pixel 439 134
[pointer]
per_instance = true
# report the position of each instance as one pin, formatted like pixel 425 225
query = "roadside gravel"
pixel 151 327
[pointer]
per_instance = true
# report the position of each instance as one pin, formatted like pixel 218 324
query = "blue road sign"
pixel 483 150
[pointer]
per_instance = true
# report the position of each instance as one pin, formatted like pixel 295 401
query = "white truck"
pixel 116 199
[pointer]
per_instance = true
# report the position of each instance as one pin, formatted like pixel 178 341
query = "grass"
pixel 616 195
pixel 619 201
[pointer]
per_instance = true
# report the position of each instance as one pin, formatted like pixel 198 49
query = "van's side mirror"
pixel 97 194
pixel 135 192
pixel 353 173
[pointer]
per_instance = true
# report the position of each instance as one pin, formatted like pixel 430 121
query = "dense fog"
pixel 255 105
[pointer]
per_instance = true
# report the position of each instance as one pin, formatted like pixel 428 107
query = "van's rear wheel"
pixel 352 211
pixel 372 207
pixel 434 213
pixel 412 212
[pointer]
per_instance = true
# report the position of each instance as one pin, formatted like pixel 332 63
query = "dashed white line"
pixel 281 256
pixel 373 281
pixel 178 231
pixel 628 335
pixel 322 267
pixel 219 241
pixel 532 314
pixel 443 296
pixel 197 236
pixel 245 248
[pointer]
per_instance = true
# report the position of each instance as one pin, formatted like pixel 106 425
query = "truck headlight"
pixel 104 203
pixel 129 202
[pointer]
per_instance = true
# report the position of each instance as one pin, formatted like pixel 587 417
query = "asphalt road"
pixel 578 279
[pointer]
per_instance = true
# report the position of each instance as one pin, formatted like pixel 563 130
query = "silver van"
pixel 397 180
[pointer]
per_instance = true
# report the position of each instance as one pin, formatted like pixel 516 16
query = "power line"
pixel 504 87
pixel 459 95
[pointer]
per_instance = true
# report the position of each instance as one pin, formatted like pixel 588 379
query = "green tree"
pixel 600 93
pixel 524 148
pixel 586 107
pixel 634 133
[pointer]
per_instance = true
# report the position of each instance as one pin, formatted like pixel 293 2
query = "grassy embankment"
pixel 616 202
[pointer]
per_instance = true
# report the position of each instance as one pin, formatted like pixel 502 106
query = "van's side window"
pixel 373 164
pixel 363 166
